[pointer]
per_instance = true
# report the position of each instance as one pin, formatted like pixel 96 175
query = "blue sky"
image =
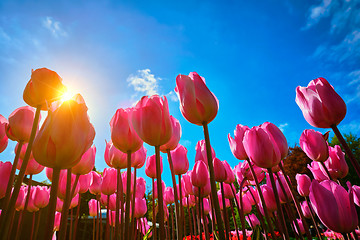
pixel 253 54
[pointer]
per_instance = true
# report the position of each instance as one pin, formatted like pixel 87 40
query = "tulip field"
pixel 264 196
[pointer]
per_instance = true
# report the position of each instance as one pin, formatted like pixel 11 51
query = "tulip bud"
pixel 93 207
pixel 138 158
pixel 3 136
pixel 336 163
pixel 314 145
pixel 199 175
pixel 236 143
pixel 5 169
pixel 86 163
pixel 219 170
pixel 95 187
pixel 108 185
pixel 175 136
pixel 180 160
pixel 201 154
pixel 150 167
pixel 303 184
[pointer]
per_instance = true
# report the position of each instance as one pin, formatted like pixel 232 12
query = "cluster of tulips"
pixel 263 196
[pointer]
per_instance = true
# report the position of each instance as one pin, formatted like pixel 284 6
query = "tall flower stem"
pixel 36 225
pixel 234 219
pixel 94 228
pixel 52 204
pixel 160 194
pixel 133 220
pixel 172 222
pixel 313 218
pixel 279 208
pixel 267 217
pixel 128 186
pixel 297 205
pixel 154 212
pixel 198 214
pixel 225 211
pixel 347 149
pixel 181 210
pixel 177 213
pixel 118 185
pixel 11 178
pixel 241 208
pixel 77 217
pixel 65 209
pixel 206 230
pixel 189 218
pixel 212 182
pixel 21 219
pixel 107 217
pixel 9 212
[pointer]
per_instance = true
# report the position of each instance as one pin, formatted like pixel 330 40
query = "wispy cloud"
pixel 172 96
pixel 144 82
pixel 283 126
pixel 353 127
pixel 317 12
pixel 55 27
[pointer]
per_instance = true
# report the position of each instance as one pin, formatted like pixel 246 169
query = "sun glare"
pixel 67 96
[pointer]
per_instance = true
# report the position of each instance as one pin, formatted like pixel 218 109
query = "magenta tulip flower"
pixel 41 196
pixel 114 157
pixel 199 175
pixel 252 192
pixel 269 197
pixel 180 160
pixel 32 167
pixel 85 181
pixel 124 181
pixel 277 137
pixel 57 221
pixel 156 192
pixel 230 175
pixel 175 136
pixel 93 207
pixel 150 167
pixel 252 220
pixel 236 143
pixel 74 201
pixel 20 201
pixel 59 205
pixel 204 191
pixel 62 186
pixel 5 169
pixel 95 187
pixel 200 149
pixel 220 172
pixel 169 195
pixel 247 206
pixel 336 163
pixel 314 145
pixel 20 124
pixel 109 180
pixel 321 106
pixel 197 104
pixel 305 209
pixel 318 171
pixel 151 120
pixel 303 184
pixel 3 136
pixel 138 158
pixel 227 191
pixel 260 148
pixel 86 163
pixel 186 183
pixel 227 202
pixel 140 208
pixel 206 206
pixel 123 134
pixel 31 207
pixel 301 226
pixel 283 196
pixel 140 187
pixel 334 206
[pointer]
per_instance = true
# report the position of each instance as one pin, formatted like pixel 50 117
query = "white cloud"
pixel 283 126
pixel 172 96
pixel 319 11
pixel 353 127
pixel 144 82
pixel 55 27
pixel 186 143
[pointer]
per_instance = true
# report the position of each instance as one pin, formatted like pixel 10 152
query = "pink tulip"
pixel 31 207
pixel 321 106
pixel 252 220
pixel 253 196
pixel 245 203
pixel 140 187
pixel 199 175
pixel 64 136
pixel 227 202
pixel 219 170
pixel 138 158
pixel 57 221
pixel 260 148
pixel 246 172
pixel 169 195
pixel 236 143
pixel 3 136
pixel 44 87
pixel 303 184
pixel 108 185
pixel 269 197
pixel 175 136
pixel 41 196
pixel 201 154
pixel 124 181
pixel 318 171
pixel 186 183
pixel 305 209
pixel 230 176
pixel 140 207
pixel 204 191
pixel 180 160
pixel 84 182
pixel 20 124
pixel 62 186
pixel 112 202
pixel 228 191
pixel 336 163
pixel 114 157
pixel 32 167
pixel 189 201
pixel 20 201
pixel 86 163
pixel 95 187
pixel 74 201
pixel 150 167
pixel 334 206
pixel 333 235
pixel 277 137
pixel 314 145
pixel 156 192
pixel 103 200
pixel 93 207
pixel 283 196
pixel 123 134
pixel 197 104
pixel 301 226
pixel 59 205
pixel 5 169
pixel 151 120
pixel 206 206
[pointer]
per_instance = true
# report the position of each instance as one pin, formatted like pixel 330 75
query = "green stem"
pixel 212 182
pixel 224 211
pixel 181 210
pixel 117 228
pixel 128 186
pixel 65 209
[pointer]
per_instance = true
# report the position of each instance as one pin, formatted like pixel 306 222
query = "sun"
pixel 67 95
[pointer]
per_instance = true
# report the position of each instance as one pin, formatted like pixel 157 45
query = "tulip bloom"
pixel 318 171
pixel 303 184
pixel 186 183
pixel 260 148
pixel 197 104
pixel 246 204
pixel 219 171
pixel 236 143
pixel 5 169
pixel 175 136
pixel 169 195
pixel 200 149
pixel 93 207
pixel 277 137
pixel 252 220
pixel 44 87
pixel 151 120
pixel 20 124
pixel 64 136
pixel 269 197
pixel 57 221
pixel 95 187
pixel 334 206
pixel 86 163
pixel 140 207
pixel 305 209
pixel 199 175
pixel 123 134
pixel 321 106
pixel 114 157
pixel 3 136
pixel 32 167
pixel 84 182
pixel 230 175
pixel 62 186
pixel 108 185
pixel 314 145
pixel 138 158
pixel 140 187
pixel 336 163
pixel 150 167
pixel 41 196
pixel 180 160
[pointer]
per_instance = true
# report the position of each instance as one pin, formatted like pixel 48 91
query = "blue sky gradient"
pixel 253 54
